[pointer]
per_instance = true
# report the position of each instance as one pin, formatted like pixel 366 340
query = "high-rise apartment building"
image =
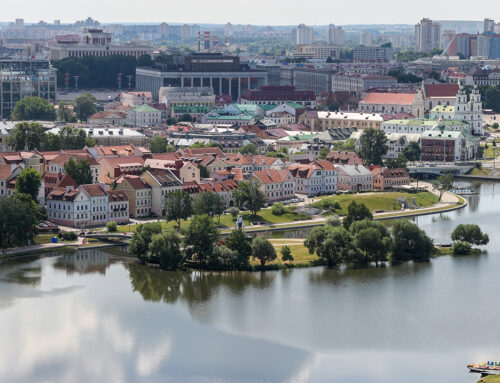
pixel 489 26
pixel 365 38
pixel 335 35
pixel 427 35
pixel 304 35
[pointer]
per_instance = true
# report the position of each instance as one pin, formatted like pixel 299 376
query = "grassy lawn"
pixel 41 239
pixel 387 201
pixel 491 151
pixel 299 252
pixel 374 201
pixel 480 172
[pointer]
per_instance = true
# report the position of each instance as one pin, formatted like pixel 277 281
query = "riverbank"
pixel 490 379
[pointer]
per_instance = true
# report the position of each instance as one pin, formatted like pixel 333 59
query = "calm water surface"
pixel 93 317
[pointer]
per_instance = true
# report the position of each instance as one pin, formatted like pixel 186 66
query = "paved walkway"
pixel 43 246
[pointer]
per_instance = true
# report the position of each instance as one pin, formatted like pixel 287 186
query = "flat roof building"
pixel 225 74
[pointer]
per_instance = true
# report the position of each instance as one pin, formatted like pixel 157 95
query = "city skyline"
pixel 194 11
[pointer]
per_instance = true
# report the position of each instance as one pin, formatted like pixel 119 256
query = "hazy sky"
pixel 264 12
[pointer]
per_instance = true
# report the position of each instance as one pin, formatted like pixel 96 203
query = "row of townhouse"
pixel 87 206
pixel 322 177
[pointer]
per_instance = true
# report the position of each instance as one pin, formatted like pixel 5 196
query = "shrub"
pixel 234 211
pixel 461 248
pixel 278 209
pixel 286 254
pixel 332 220
pixel 68 236
pixel 112 227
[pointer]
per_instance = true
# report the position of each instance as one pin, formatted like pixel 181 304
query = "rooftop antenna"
pixel 76 82
pixel 119 80
pixel 66 80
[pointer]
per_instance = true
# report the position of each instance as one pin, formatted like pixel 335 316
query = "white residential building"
pixel 316 178
pixel 354 177
pixel 275 184
pixel 144 116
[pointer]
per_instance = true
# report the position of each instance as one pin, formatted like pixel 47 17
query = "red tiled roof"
pixel 5 171
pixel 271 176
pixel 62 195
pixel 389 98
pixel 166 156
pixel 117 195
pixel 136 182
pixel 62 158
pixel 441 90
pixel 116 162
pixel 197 151
pixel 93 190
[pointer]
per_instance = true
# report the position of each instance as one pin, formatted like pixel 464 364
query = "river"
pixel 93 316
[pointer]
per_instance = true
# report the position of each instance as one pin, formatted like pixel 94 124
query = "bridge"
pixel 437 168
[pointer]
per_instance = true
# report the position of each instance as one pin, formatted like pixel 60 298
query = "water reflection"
pixel 192 287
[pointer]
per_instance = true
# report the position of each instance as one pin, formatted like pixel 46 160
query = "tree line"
pixel 39 109
pixel 32 136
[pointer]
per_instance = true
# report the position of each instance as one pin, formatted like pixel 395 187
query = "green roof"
pixel 226 117
pixel 437 134
pixel 295 105
pixel 268 106
pixel 246 107
pixel 412 122
pixel 303 137
pixel 144 109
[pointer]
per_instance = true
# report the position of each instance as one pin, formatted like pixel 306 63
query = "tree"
pixel 234 211
pixel 373 146
pixel 249 195
pixel 51 142
pixel 29 182
pixel 178 206
pixel 85 106
pixel 112 227
pixel 65 112
pixel 185 118
pixel 139 243
pixel 26 136
pixel 334 245
pixel 72 138
pixel 200 236
pixel 145 60
pixel 323 152
pixel 239 242
pixel 410 242
pixel 444 183
pixel 17 223
pixel 373 239
pixel 165 248
pixel 160 144
pixel 210 203
pixel 33 108
pixel 333 220
pixel 263 250
pixel 286 254
pixel 462 248
pixel 249 148
pixel 347 145
pixel 356 212
pixel 79 170
pixel 412 151
pixel 397 163
pixel 471 234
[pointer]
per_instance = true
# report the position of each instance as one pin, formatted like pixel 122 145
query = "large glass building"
pixel 25 77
